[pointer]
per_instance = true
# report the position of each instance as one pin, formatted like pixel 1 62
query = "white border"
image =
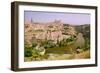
pixel 23 64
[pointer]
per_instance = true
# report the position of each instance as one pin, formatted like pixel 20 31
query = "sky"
pixel 69 18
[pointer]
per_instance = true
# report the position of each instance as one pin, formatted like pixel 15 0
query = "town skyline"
pixel 45 17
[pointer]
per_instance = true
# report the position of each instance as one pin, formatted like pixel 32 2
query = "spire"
pixel 32 20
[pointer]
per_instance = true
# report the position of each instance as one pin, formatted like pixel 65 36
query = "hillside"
pixel 48 31
pixel 56 41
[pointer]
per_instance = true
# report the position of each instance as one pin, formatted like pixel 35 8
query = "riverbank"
pixel 51 56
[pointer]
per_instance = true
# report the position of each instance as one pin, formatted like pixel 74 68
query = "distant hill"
pixel 84 29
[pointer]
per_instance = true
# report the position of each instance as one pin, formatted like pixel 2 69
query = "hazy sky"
pixel 70 18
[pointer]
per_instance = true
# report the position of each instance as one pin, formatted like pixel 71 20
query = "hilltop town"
pixel 56 41
pixel 55 31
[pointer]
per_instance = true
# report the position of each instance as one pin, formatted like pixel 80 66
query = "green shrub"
pixel 87 44
pixel 35 53
pixel 48 44
pixel 34 44
pixel 70 39
pixel 28 52
pixel 62 43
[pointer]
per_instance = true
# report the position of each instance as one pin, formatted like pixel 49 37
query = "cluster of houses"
pixel 47 31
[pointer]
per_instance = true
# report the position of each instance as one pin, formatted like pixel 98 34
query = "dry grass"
pixel 83 55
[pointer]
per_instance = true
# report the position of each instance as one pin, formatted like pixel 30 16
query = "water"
pixel 69 48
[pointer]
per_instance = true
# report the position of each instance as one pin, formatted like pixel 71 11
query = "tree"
pixel 34 44
pixel 28 52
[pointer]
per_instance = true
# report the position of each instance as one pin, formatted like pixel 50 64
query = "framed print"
pixel 52 36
